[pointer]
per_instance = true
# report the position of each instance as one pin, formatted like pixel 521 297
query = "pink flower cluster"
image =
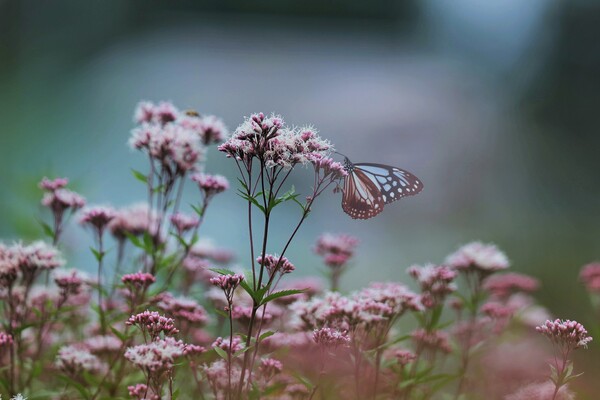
pixel 274 144
pixel 479 257
pixel 153 324
pixel 590 276
pixel 436 283
pixel 57 198
pixel 97 217
pixel 330 338
pixel 184 223
pixel 502 286
pixel 210 185
pixel 134 220
pixel 156 356
pixel 6 340
pixel 336 250
pixel 566 333
pixel 227 283
pixel 432 340
pixel 27 261
pixel 270 367
pixel 74 360
pixel 138 280
pixel 175 140
pixel 404 356
pixel 275 264
pixel 223 343
pixel 69 281
pixel 182 308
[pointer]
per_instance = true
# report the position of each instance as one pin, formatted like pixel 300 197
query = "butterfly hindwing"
pixel 362 199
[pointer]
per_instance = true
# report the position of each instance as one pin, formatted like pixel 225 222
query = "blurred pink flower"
pixel 504 285
pixel 541 391
pixel 336 250
pixel 184 223
pixel 139 280
pixel 477 256
pixel 330 338
pixel 153 324
pixel 74 360
pixel 590 276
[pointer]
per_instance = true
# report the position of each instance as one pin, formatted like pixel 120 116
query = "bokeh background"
pixel 494 105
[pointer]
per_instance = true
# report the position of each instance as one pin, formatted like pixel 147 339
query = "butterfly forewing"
pixel 393 183
pixel 369 186
pixel 362 198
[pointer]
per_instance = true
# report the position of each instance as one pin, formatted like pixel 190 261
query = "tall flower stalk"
pixel 266 151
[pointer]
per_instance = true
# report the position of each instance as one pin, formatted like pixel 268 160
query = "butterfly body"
pixel 368 187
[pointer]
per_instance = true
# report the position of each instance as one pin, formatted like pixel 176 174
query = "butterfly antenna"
pixel 343 155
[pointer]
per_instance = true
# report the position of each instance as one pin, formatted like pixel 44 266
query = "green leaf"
pixel 134 240
pixel 242 351
pixel 282 293
pixel 247 288
pixel 148 243
pixel 139 176
pixel 118 334
pixel 222 271
pixel 266 335
pixel 48 231
pixel 198 210
pixel 221 352
pixel 99 256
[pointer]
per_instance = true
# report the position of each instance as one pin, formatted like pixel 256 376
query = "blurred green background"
pixel 494 105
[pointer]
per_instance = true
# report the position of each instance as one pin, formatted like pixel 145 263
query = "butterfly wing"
pixel 362 198
pixel 393 183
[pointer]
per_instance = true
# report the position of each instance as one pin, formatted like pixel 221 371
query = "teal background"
pixel 494 105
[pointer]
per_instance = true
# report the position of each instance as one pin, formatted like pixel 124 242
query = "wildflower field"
pixel 168 315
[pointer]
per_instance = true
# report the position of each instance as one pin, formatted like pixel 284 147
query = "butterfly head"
pixel 348 166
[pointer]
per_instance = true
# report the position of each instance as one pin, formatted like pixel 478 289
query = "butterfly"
pixel 368 187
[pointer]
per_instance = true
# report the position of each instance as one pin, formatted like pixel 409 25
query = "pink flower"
pixel 162 113
pixel 244 314
pixel 270 367
pixel 476 256
pixel 567 334
pixel 37 256
pixel 9 264
pixel 62 199
pixel 590 276
pixel 274 264
pixel 217 375
pixel 141 392
pixel 153 323
pixel 183 309
pixel 134 220
pixel 205 248
pixel 52 185
pixel 228 283
pixel 502 286
pixel 236 344
pixel 330 338
pixel 103 344
pixel 210 185
pixel 97 217
pixel 6 340
pixel 328 167
pixel 541 391
pixel 432 341
pixel 209 128
pixel 184 223
pixel 139 280
pixel 157 356
pixel 70 282
pixel 336 249
pixel 403 356
pixel 276 145
pixel 436 282
pixel 74 360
